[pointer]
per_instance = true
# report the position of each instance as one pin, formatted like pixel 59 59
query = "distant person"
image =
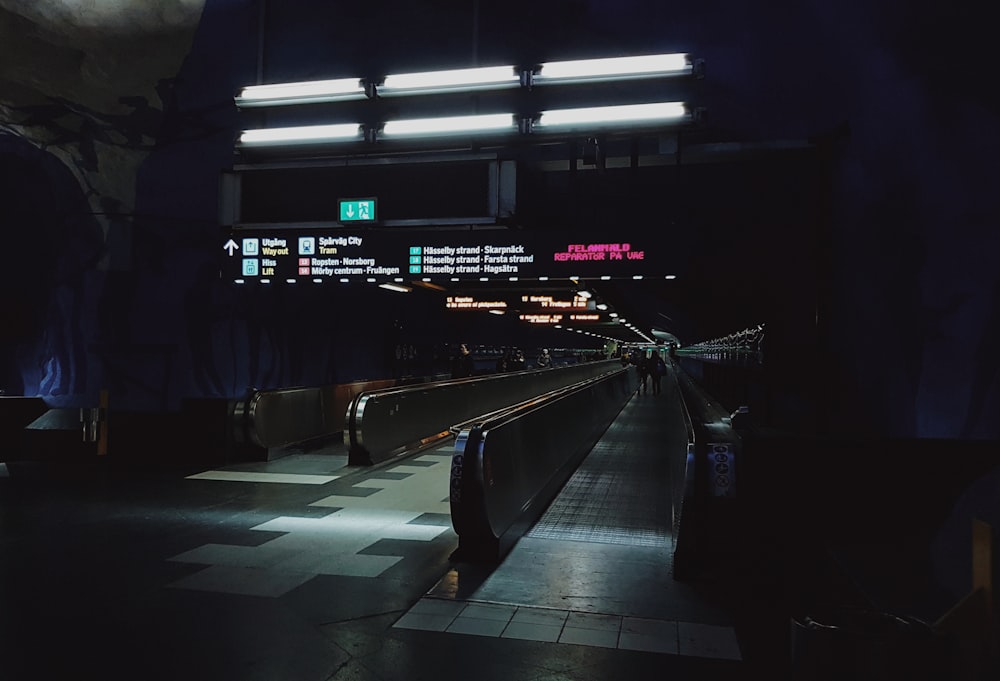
pixel 517 361
pixel 544 359
pixel 502 362
pixel 462 365
pixel 658 369
pixel 642 367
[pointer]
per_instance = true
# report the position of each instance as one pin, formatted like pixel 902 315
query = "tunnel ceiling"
pixel 60 55
pixel 74 72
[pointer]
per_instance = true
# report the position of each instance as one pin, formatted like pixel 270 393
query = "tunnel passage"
pixel 51 240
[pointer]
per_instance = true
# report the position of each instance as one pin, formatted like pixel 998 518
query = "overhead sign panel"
pixel 366 253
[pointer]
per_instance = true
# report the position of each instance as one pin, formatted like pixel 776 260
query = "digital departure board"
pixel 470 303
pixel 344 254
pixel 545 301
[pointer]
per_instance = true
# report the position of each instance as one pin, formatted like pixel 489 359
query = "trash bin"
pixel 863 645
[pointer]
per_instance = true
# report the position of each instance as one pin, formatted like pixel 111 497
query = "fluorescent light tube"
pixel 306 134
pixel 658 112
pixel 395 287
pixel 282 94
pixel 450 125
pixel 456 80
pixel 615 68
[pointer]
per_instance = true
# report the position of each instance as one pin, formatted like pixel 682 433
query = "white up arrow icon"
pixel 230 247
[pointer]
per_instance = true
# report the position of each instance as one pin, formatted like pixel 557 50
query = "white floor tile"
pixel 489 611
pixel 247 476
pixel 436 606
pixel 243 581
pixel 540 616
pixel 423 621
pixel 345 565
pixel 477 627
pixel 586 620
pixel 603 638
pixel 231 555
pixel 532 632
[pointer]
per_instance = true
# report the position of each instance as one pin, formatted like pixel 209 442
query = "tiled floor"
pixel 575 628
pixel 254 575
pixel 393 506
pixel 595 570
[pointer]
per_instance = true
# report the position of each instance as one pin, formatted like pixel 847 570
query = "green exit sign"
pixel 357 210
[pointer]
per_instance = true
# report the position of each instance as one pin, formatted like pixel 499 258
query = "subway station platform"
pixel 305 568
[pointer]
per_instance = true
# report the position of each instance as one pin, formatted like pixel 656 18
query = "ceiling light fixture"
pixel 449 125
pixel 306 134
pixel 600 116
pixel 454 80
pixel 309 92
pixel 614 68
